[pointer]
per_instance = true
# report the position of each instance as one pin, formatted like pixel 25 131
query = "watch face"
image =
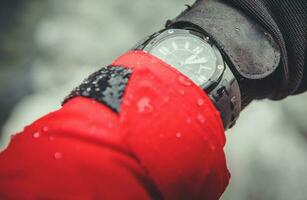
pixel 189 54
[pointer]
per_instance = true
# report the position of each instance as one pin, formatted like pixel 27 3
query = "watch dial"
pixel 188 54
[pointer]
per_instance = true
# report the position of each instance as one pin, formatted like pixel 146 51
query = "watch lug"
pixel 227 98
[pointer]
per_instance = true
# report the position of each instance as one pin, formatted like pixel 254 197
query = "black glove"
pixel 263 40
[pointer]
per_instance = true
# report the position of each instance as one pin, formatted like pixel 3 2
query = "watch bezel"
pixel 152 41
pixel 222 87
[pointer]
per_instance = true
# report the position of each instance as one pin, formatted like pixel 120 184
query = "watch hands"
pixel 198 61
pixel 191 58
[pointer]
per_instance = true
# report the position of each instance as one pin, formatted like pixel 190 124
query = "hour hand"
pixel 190 61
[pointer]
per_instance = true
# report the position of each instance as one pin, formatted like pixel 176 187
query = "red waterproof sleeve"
pixel 165 143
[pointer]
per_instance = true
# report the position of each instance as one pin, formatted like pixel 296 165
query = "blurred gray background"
pixel 49 46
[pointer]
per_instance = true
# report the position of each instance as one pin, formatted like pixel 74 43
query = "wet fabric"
pixel 106 86
pixel 165 143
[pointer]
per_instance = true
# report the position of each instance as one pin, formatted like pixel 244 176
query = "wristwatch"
pixel 195 55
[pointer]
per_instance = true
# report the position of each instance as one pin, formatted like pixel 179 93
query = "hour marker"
pixel 174 45
pixel 202 79
pixel 187 45
pixel 198 50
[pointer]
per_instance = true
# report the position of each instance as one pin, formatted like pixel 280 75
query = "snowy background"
pixel 48 46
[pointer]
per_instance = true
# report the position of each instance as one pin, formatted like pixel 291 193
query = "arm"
pixel 150 147
pixel 160 143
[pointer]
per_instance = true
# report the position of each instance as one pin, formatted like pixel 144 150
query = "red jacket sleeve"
pixel 166 143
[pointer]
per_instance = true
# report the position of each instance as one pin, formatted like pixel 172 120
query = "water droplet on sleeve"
pixel 58 155
pixel 212 147
pixel 51 138
pixel 201 118
pixel 188 121
pixel 200 102
pixel 36 135
pixel 144 105
pixel 184 81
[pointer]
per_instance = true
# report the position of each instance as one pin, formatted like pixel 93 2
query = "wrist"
pixel 195 55
pixel 250 52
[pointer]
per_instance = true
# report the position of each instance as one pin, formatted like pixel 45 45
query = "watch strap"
pixel 227 98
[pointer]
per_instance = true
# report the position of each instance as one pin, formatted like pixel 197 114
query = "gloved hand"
pixel 138 129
